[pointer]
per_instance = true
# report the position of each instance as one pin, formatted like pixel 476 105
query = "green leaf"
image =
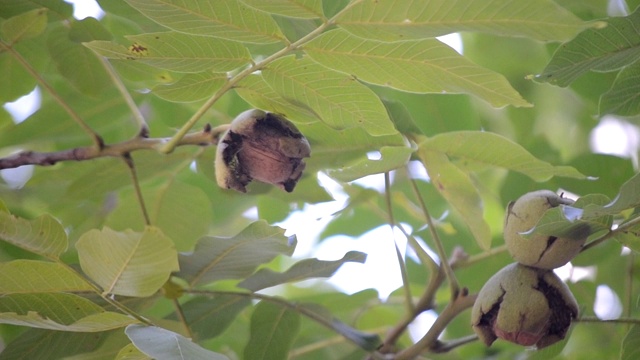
pixel 422 66
pixel 127 263
pixel 366 341
pixel 181 211
pixel 572 221
pixel 603 49
pixel 131 352
pixel 273 330
pixel 333 148
pixel 31 276
pixel 304 9
pixel 629 238
pixel 191 87
pixel 409 19
pixel 61 9
pixel 162 344
pixel 254 90
pixel 338 99
pixel 624 96
pixel 59 311
pixel 631 344
pixel 391 158
pixel 17 80
pixel 50 344
pixel 24 26
pixel 627 198
pixel 458 189
pixel 210 316
pixel 43 236
pixel 227 19
pixel 76 63
pixel 217 258
pixel 401 117
pixel 302 270
pixel 478 149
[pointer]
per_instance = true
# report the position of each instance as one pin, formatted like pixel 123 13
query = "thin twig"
pixel 403 267
pixel 136 185
pixel 451 277
pixel 471 260
pixel 593 319
pixel 307 312
pixel 628 306
pixel 446 346
pixel 182 318
pixel 203 138
pixel 430 340
pixel 233 81
pixel 95 137
pixel 621 228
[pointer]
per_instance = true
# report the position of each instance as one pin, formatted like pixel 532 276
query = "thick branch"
pixel 203 138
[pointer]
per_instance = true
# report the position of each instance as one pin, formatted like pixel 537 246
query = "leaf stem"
pixel 137 115
pixel 95 137
pixel 136 185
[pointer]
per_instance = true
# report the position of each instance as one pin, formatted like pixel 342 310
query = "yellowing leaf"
pixel 30 276
pixel 191 87
pixel 423 66
pixel 415 19
pixel 24 26
pixel 606 48
pixel 304 9
pixel 127 263
pixel 338 99
pixel 43 235
pixel 176 51
pixel 458 189
pixel 478 149
pixel 228 19
pixel 59 311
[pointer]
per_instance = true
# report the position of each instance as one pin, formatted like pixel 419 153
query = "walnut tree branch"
pixel 205 137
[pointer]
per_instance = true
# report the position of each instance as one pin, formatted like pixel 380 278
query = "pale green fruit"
pixel 524 305
pixel 546 252
pixel 263 146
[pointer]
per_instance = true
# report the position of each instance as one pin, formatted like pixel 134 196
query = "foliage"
pixel 126 248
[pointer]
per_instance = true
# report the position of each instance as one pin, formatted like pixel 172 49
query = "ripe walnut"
pixel 263 146
pixel 524 305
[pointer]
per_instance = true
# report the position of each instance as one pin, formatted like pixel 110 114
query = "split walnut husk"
pixel 524 305
pixel 261 146
pixel 542 251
